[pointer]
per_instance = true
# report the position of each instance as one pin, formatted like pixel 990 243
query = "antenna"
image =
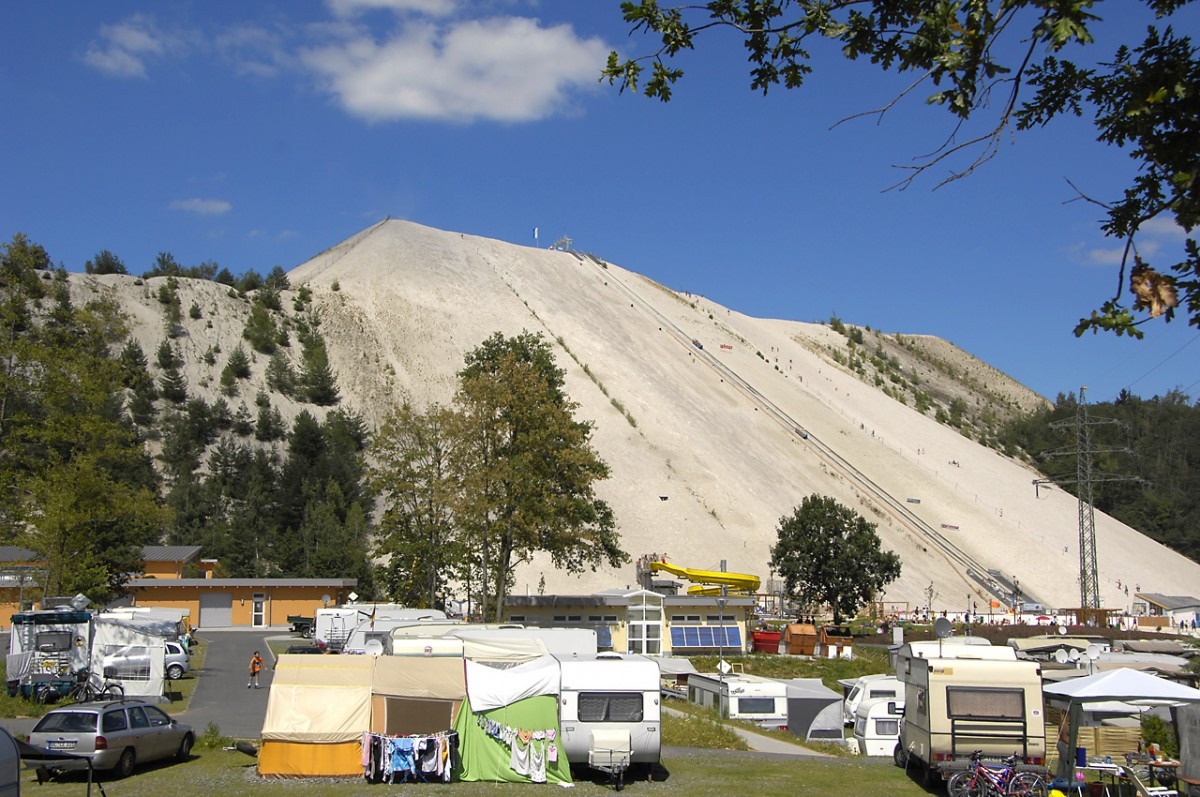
pixel 1061 656
pixel 942 628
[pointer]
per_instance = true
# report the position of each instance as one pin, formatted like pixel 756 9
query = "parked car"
pixel 134 661
pixel 115 734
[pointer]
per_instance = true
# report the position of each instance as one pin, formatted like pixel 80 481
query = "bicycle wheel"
pixel 1026 784
pixel 958 783
pixel 83 693
pixel 112 692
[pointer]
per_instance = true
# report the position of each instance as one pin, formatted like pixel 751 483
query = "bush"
pixel 212 739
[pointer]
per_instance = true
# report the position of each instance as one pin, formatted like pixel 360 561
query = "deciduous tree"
pixel 829 554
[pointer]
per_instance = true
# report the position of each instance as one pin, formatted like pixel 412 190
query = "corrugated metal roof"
pixel 533 601
pixel 242 582
pixel 13 553
pixel 169 553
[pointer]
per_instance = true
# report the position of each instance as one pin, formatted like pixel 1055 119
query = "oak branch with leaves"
pixel 1000 60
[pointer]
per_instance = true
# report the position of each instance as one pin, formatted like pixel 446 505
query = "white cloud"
pixel 433 8
pixel 504 68
pixel 1162 226
pixel 123 49
pixel 204 207
pixel 286 234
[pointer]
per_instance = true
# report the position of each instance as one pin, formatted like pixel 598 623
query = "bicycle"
pixel 981 780
pixel 84 692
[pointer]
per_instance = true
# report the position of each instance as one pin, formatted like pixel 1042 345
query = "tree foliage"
pixel 75 482
pixel 1155 440
pixel 829 554
pixel 1003 60
pixel 504 474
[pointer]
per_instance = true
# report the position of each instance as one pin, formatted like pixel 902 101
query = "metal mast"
pixel 1089 578
pixel 1085 477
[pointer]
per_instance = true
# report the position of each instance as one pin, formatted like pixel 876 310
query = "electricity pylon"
pixel 1085 477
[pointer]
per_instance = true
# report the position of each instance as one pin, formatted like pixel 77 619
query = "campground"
pixel 684 772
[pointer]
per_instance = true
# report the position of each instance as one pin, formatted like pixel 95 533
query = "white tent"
pixel 1128 686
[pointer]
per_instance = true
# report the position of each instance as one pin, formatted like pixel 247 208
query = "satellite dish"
pixel 942 628
pixel 373 647
pixel 1062 630
pixel 1074 655
pixel 80 602
pixel 1061 656
pixel 353 596
pixel 325 599
pixel 1093 651
pixel 724 667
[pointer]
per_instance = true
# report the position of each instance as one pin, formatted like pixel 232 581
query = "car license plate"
pixel 62 744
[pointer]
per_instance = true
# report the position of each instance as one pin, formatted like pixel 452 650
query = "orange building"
pixel 174 576
pixel 252 602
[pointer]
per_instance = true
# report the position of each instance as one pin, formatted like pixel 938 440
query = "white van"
pixel 871 687
pixel 877 726
pixel 750 698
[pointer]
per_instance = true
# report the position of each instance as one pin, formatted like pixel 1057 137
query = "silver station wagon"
pixel 115 734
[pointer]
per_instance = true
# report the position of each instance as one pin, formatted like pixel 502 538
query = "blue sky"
pixel 258 134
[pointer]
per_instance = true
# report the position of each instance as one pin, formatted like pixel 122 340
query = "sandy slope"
pixel 708 470
pixel 715 458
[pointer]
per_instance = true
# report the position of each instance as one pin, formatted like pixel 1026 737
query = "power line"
pixel 1163 361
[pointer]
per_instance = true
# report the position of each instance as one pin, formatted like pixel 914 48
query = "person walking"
pixel 256 665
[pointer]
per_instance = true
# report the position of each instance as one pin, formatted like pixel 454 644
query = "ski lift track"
pixel 967 568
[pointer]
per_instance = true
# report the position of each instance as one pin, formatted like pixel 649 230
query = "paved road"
pixel 221 696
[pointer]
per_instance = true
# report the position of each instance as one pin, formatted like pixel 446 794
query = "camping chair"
pixel 1148 791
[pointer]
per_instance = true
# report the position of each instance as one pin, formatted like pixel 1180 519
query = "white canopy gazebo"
pixel 1134 687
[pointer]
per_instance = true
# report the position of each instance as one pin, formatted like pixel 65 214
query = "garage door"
pixel 216 609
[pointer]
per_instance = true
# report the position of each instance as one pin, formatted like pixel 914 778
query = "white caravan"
pixel 750 698
pixel 870 687
pixel 609 709
pixel 877 726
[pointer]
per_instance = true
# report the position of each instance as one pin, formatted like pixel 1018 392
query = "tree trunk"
pixel 502 568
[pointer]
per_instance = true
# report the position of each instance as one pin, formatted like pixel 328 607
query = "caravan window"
pixel 883 693
pixel 887 727
pixel 756 705
pixel 985 703
pixel 53 641
pixel 610 706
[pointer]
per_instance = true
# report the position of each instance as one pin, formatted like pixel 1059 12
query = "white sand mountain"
pixel 728 438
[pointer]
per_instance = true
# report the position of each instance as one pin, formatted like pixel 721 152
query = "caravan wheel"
pixel 899 757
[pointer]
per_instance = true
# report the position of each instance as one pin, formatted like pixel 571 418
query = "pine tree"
pixel 280 376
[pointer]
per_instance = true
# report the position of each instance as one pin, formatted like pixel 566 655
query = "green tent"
pixel 486 758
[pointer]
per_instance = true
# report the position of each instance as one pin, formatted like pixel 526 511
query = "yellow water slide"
pixel 709 582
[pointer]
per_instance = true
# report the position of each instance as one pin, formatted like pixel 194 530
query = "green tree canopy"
pixel 829 554
pixel 105 262
pixel 1003 60
pixel 525 466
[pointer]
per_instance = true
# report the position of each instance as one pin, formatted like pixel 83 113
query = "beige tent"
pixel 320 706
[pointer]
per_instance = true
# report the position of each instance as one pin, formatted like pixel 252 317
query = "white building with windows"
pixel 641 621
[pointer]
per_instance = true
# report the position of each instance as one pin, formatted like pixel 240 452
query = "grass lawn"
pixel 866 661
pixel 683 774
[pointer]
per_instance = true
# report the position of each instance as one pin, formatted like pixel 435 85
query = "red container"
pixel 765 641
